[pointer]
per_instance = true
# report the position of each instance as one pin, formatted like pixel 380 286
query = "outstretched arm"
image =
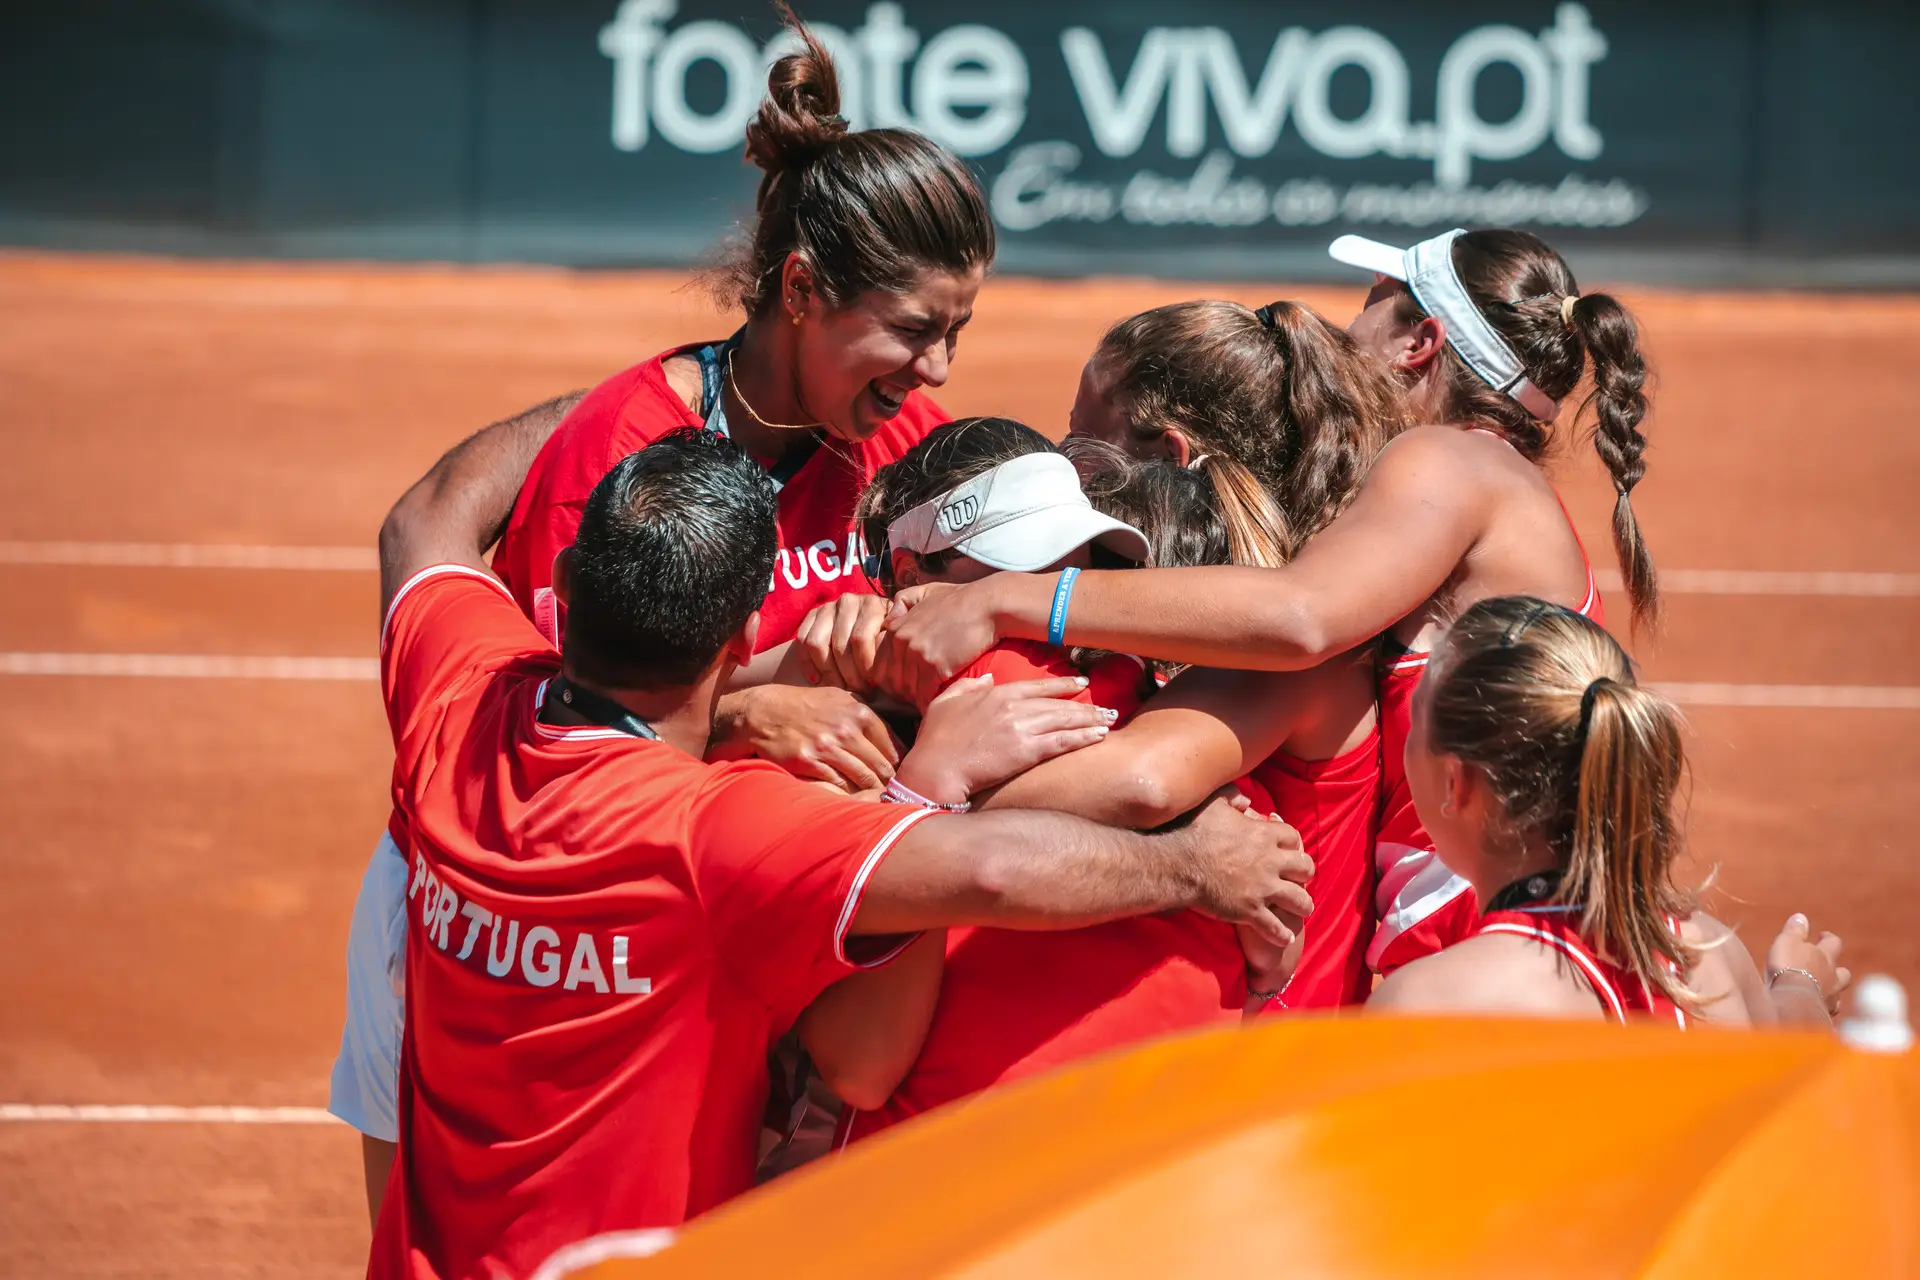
pixel 1414 520
pixel 460 508
pixel 1023 869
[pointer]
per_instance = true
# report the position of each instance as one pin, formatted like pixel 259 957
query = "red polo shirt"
pixel 604 937
pixel 820 554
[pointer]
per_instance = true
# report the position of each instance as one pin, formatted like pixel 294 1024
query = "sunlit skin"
pixel 1096 415
pixel 1412 350
pixel 847 369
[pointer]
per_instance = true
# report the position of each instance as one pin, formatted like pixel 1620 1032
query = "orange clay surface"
pixel 180 856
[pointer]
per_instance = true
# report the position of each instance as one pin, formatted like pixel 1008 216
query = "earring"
pixel 796 319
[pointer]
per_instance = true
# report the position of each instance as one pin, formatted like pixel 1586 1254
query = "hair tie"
pixel 1566 309
pixel 1195 464
pixel 1586 704
pixel 1265 316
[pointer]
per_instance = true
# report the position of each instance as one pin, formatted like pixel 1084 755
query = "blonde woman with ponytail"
pixel 1488 336
pixel 1548 778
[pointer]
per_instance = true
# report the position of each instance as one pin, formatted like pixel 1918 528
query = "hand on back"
pixel 821 735
pixel 1252 870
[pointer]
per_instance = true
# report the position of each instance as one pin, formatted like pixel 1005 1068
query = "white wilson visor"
pixel 1427 269
pixel 1024 514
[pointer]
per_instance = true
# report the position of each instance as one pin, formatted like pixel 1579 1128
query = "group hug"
pixel 777 759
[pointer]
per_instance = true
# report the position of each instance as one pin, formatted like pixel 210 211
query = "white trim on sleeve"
pixel 852 905
pixel 435 571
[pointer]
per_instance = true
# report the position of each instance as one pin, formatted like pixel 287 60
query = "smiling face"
pixel 856 365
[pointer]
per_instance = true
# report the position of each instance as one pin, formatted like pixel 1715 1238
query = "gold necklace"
pixel 754 414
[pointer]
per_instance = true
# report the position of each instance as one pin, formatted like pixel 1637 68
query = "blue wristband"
pixel 1057 620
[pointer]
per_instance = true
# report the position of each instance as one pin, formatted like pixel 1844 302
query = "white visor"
pixel 1428 270
pixel 1024 514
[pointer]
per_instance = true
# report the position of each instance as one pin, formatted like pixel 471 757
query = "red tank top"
pixel 1332 804
pixel 1423 907
pixel 1621 992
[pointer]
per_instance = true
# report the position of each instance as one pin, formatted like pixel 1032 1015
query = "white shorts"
pixel 366 1075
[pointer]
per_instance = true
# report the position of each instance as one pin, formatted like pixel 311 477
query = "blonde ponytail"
pixel 1256 527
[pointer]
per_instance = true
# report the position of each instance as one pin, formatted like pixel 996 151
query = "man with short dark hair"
pixel 606 933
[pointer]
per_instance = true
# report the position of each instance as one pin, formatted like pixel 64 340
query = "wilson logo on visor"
pixel 956 516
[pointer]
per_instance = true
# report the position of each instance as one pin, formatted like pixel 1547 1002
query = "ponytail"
pixel 1580 758
pixel 1629 772
pixel 1340 409
pixel 1528 294
pixel 1619 400
pixel 1284 401
pixel 1255 526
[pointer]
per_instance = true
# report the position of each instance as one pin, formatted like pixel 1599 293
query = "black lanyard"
pixel 1525 892
pixel 593 707
pixel 714 362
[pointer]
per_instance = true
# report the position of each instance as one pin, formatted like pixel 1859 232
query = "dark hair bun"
pixel 801 115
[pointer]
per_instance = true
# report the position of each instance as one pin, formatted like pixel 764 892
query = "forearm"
pixel 1025 870
pixel 1797 1002
pixel 865 1031
pixel 461 507
pixel 1222 616
pixel 1116 783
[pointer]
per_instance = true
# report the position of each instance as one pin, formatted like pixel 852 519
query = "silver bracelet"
pixel 899 792
pixel 1817 988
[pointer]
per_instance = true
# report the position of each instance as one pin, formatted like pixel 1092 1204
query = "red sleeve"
pixel 780 866
pixel 447 622
pixel 626 412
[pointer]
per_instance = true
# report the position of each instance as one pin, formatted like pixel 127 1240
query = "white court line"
pixel 1848 697
pixel 1757 582
pixel 188 555
pixel 194 666
pixel 97 1114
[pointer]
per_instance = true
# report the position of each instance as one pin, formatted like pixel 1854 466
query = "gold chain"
pixel 754 414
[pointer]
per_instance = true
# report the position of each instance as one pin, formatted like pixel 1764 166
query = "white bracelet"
pixel 899 792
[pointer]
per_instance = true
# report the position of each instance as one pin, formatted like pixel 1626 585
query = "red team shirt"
pixel 605 935
pixel 820 555
pixel 1014 1004
pixel 1622 993
pixel 1423 907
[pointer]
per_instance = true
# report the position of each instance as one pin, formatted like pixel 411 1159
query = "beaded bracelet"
pixel 1777 973
pixel 899 792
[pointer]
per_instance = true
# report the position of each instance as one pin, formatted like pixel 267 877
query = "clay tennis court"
pixel 193 759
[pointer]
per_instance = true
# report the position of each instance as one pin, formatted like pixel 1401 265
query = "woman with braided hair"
pixel 1548 778
pixel 1488 334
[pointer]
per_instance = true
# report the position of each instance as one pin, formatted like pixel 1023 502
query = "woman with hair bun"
pixel 1488 334
pixel 864 257
pixel 1549 778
